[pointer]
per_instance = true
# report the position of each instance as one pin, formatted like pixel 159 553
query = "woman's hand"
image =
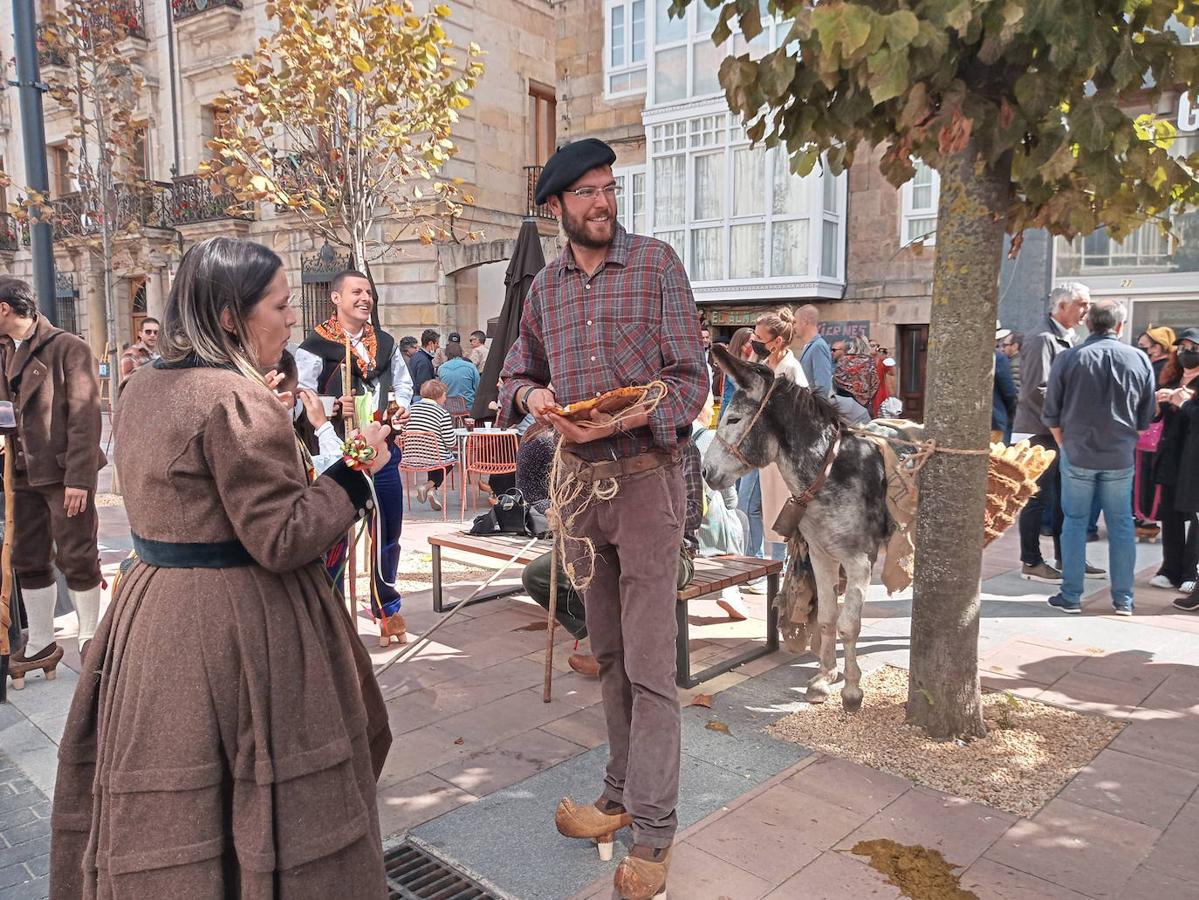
pixel 314 409
pixel 273 380
pixel 375 435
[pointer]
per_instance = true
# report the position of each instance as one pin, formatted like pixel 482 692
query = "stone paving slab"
pixel 24 835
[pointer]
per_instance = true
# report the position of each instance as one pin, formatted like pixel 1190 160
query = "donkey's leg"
pixel 826 568
pixel 849 624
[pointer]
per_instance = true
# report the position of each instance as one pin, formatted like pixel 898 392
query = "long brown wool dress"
pixel 226 734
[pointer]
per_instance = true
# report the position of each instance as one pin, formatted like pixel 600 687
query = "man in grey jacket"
pixel 1100 399
pixel 1068 306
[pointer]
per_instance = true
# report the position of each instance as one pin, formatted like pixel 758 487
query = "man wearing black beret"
pixel 615 310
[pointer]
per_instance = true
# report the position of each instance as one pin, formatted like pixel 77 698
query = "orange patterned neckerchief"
pixel 332 331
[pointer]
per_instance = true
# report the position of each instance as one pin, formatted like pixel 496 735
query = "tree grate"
pixel 413 874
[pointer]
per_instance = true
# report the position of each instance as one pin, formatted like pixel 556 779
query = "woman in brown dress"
pixel 227 731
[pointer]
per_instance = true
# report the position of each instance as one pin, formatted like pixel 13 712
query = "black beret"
pixel 569 164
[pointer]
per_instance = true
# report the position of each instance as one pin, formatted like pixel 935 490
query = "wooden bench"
pixel 712 574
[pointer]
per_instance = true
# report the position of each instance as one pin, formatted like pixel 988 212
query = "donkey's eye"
pixel 732 420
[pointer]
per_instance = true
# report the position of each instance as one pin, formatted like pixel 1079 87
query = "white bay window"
pixel 919 205
pixel 624 51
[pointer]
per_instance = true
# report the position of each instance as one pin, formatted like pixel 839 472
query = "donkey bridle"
pixel 812 490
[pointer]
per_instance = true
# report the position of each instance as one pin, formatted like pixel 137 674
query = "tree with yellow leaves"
pixel 345 116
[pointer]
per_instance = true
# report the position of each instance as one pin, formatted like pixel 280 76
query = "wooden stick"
pixel 347 390
pixel 6 564
pixel 551 622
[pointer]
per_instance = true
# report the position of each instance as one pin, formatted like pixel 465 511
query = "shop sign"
pixel 1188 113
pixel 735 318
pixel 844 329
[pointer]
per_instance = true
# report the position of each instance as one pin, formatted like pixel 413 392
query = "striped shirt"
pixel 427 415
pixel 631 322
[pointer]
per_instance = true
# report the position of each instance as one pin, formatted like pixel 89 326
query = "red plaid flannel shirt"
pixel 632 322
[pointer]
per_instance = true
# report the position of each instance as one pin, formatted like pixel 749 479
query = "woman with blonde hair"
pixel 761 494
pixel 227 731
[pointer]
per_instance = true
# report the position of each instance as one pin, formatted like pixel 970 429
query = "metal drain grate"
pixel 413 874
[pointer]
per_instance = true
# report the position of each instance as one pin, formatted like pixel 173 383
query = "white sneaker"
pixel 435 500
pixel 1187 587
pixel 1161 581
pixel 422 491
pixel 734 606
pixel 754 587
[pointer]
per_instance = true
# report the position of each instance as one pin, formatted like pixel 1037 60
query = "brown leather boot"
pixel 46 660
pixel 642 874
pixel 578 821
pixel 585 664
pixel 392 626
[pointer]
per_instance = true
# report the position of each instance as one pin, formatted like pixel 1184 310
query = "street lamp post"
pixel 33 131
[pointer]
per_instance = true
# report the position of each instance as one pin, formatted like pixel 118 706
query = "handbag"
pixel 511 514
pixel 1151 437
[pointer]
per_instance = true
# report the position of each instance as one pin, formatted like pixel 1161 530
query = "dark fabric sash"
pixel 172 555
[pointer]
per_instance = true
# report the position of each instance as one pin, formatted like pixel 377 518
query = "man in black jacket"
pixel 421 363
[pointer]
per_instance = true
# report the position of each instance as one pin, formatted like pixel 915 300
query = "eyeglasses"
pixel 612 191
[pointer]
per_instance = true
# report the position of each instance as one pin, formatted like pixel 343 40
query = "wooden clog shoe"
pixel 46 661
pixel 576 820
pixel 392 626
pixel 642 874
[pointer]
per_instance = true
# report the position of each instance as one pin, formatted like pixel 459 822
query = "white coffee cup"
pixel 328 403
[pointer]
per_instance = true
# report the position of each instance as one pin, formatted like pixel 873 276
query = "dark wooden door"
pixel 913 358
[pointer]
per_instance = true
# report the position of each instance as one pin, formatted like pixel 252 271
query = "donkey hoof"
pixel 817 692
pixel 851 699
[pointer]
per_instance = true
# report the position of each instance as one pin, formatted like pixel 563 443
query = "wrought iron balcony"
pixel 122 15
pixel 146 205
pixel 193 200
pixel 10 232
pixel 532 173
pixel 48 53
pixel 185 9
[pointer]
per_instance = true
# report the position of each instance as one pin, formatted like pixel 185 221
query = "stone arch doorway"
pixel 473 274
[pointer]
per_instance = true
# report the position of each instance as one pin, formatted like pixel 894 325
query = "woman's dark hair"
pixel 453 350
pixel 1171 376
pixel 217 274
pixel 741 337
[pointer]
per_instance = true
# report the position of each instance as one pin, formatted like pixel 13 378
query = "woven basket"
pixel 1011 480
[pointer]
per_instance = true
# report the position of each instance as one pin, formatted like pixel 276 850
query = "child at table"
pixel 429 415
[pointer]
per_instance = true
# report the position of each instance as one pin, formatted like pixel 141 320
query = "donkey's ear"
pixel 752 378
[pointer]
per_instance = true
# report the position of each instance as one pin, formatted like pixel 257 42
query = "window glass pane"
pixel 709 186
pixel 707 258
pixel 789 248
pixel 757 48
pixel 637 42
pixel 669 190
pixel 830 192
pixel 918 228
pixel 829 251
pixel 676 239
pixel 670 75
pixel 707 67
pixel 622 200
pixel 666 29
pixel 922 196
pixel 706 19
pixel 749 181
pixel 790 194
pixel 748 252
pixel 637 80
pixel 616 37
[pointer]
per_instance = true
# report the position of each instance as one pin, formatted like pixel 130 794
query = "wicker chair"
pixel 487 453
pixel 422 452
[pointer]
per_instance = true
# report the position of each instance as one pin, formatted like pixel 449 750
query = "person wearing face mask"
pixel 1156 343
pixel 1177 454
pixel 771 342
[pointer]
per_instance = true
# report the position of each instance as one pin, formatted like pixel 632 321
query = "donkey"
pixel 846 522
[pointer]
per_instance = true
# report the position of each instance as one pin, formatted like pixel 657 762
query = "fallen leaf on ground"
pixel 532 626
pixel 718 726
pixel 460 741
pixel 704 700
pixel 1096 651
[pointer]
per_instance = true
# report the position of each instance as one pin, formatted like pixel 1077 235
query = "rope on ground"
pixel 570 497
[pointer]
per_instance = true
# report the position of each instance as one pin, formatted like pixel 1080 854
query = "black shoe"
pixel 1189 603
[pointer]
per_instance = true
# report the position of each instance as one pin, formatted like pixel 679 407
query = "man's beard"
pixel 576 231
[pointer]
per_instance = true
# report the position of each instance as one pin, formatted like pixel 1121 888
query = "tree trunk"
pixel 943 690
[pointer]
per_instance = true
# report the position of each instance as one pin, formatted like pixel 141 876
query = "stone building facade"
pixel 186 50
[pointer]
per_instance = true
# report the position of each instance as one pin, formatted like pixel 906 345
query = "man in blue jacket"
pixel 1099 399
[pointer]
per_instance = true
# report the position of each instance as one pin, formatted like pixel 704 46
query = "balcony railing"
pixel 10 232
pixel 532 173
pixel 147 206
pixel 126 15
pixel 47 53
pixel 193 200
pixel 185 9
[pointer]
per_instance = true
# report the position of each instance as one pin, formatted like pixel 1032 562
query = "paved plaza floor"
pixel 479 761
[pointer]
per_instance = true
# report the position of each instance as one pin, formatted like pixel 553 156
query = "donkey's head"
pixel 745 438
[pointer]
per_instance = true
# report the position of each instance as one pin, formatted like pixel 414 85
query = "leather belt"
pixel 618 468
pixel 173 555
